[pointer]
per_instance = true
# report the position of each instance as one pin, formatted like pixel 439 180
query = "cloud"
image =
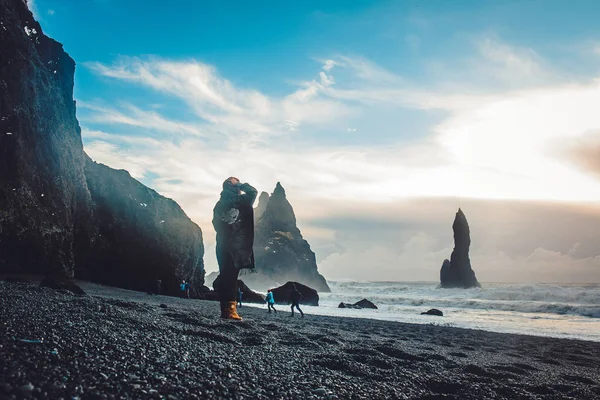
pixel 239 112
pixel 134 116
pixel 511 241
pixel 499 142
pixel 51 12
pixel 510 63
pixel 32 5
pixel 583 151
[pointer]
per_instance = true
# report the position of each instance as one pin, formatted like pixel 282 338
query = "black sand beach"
pixel 115 343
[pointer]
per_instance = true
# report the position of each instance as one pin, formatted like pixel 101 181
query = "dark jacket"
pixel 295 296
pixel 233 220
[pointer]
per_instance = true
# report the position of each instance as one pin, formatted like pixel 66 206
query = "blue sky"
pixel 373 108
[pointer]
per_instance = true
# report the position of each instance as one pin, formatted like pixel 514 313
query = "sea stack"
pixel 280 251
pixel 62 215
pixel 457 272
pixel 263 199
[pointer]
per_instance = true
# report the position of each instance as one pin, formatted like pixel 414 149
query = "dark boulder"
pixel 348 305
pixel 281 295
pixel 457 272
pixel 281 254
pixel 248 295
pixel 433 311
pixel 140 236
pixel 364 303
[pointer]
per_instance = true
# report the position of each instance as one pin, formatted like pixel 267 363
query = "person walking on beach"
pixel 295 297
pixel 271 301
pixel 240 294
pixel 233 220
pixel 158 286
pixel 182 288
pixel 187 290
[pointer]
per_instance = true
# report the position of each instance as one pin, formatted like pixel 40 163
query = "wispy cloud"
pixel 238 111
pixel 134 116
pixel 32 5
pixel 496 141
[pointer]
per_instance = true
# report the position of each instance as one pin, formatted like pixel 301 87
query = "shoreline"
pixel 120 343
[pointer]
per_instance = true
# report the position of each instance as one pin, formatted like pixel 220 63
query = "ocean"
pixel 554 310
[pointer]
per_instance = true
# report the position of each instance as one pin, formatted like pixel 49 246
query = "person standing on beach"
pixel 233 220
pixel 187 290
pixel 182 288
pixel 270 301
pixel 295 297
pixel 240 294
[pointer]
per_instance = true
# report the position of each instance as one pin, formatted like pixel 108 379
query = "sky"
pixel 379 118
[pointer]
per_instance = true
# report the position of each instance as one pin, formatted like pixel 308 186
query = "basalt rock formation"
pixel 281 254
pixel 141 236
pixel 248 295
pixel 263 200
pixel 61 215
pixel 364 303
pixel 44 200
pixel 282 294
pixel 433 311
pixel 457 272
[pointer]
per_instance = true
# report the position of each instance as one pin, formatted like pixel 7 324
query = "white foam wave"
pixel 580 300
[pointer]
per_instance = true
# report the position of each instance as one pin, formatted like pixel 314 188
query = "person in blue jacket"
pixel 270 301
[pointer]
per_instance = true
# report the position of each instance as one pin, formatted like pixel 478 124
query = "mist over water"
pixel 556 310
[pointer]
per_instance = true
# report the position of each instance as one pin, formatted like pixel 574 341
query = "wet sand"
pixel 115 343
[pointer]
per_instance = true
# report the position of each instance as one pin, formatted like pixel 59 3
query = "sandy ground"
pixel 115 343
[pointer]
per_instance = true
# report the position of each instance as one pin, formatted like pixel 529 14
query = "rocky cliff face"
pixel 49 222
pixel 141 236
pixel 261 207
pixel 44 201
pixel 457 272
pixel 280 251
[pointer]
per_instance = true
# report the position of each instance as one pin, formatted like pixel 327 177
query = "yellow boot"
pixel 229 311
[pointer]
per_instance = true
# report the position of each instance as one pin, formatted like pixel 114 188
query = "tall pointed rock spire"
pixel 280 251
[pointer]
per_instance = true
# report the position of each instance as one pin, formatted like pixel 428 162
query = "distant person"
pixel 295 297
pixel 233 220
pixel 240 294
pixel 182 288
pixel 271 301
pixel 158 286
pixel 187 290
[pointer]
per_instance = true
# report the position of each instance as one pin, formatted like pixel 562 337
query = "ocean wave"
pixel 580 300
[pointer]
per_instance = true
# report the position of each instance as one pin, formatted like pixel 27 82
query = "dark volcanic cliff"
pixel 280 251
pixel 44 200
pixel 457 272
pixel 141 236
pixel 50 223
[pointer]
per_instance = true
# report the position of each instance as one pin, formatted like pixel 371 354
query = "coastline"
pixel 119 343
